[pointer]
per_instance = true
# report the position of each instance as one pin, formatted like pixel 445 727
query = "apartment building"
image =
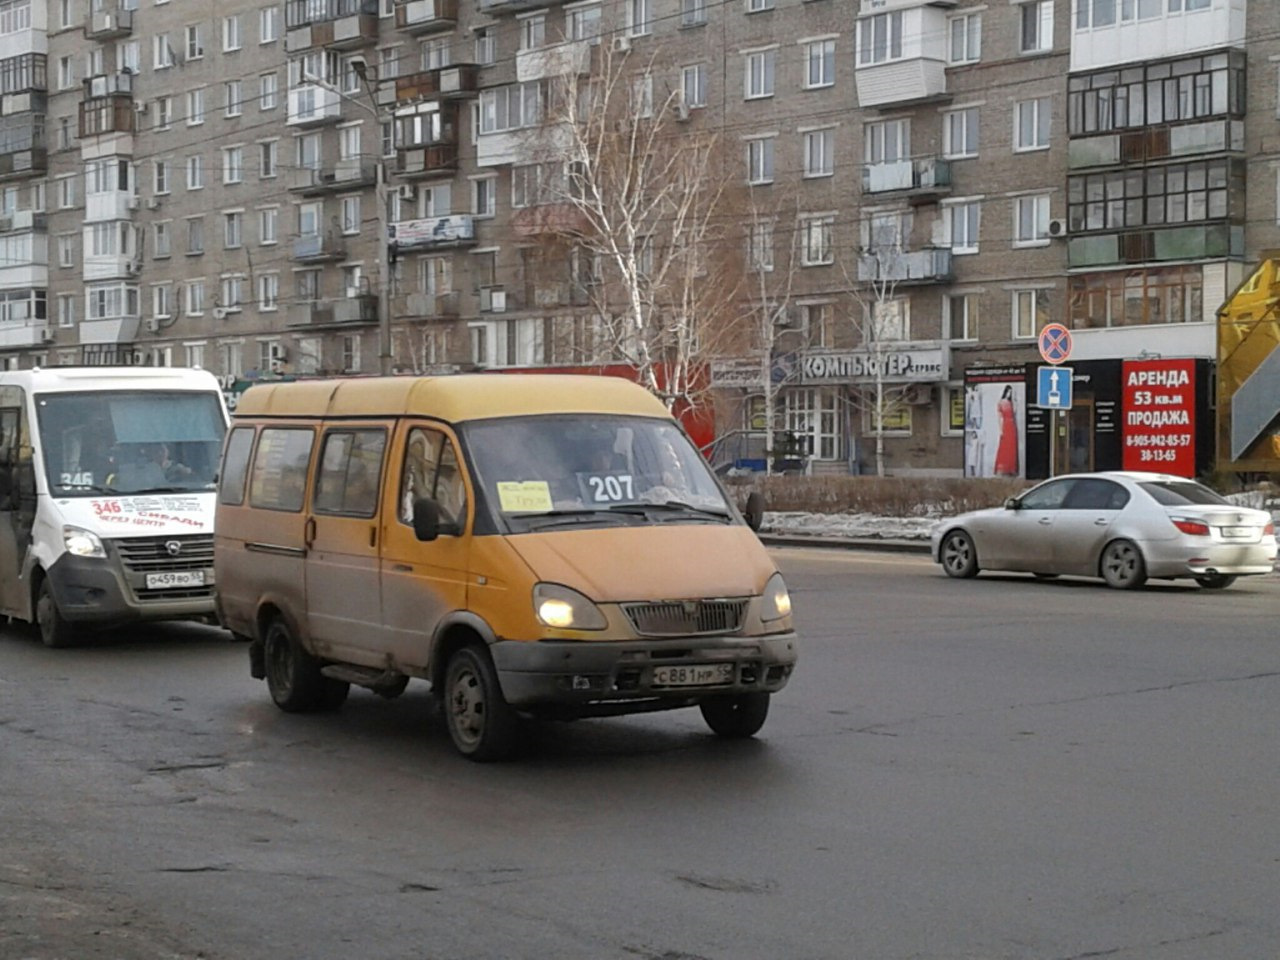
pixel 225 187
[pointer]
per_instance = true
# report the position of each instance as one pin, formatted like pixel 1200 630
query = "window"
pixel 195 107
pixel 161 52
pixel 161 294
pixel 349 142
pixel 760 245
pixel 161 176
pixel 886 141
pixel 880 38
pixel 1036 35
pixel 66 309
pixel 693 85
pixel 195 235
pixel 67 250
pixel 279 477
pixel 757 6
pixel 533 32
pixel 820 64
pixel 130 56
pixel 66 14
pixel 195 172
pixel 1031 220
pixel 965 38
pixel 164 112
pixel 1122 298
pixel 639 17
pixel 194 292
pixel 819 324
pixel 503 108
pixel 815 239
pixel 268 291
pixel 693 13
pixel 431 471
pixel 236 464
pixel 350 473
pixel 1030 313
pixel 819 152
pixel 231 295
pixel 267 153
pixel 350 215
pixel 891 320
pixel 160 239
pixel 642 96
pixel 760 73
pixel 962 221
pixel 66 193
pixel 232 229
pixel 1031 120
pixel 960 316
pixel 760 160
pixel 109 301
pixel 486 46
pixel 65 136
pixel 893 418
pixel 814 417
pixel 233 97
pixel 1153 196
pixel 1102 13
pixel 66 73
pixel 960 131
pixel 268 84
pixel 349 354
pixel 268 224
pixel 268 25
pixel 1156 93
pixel 484 196
pixel 230 33
pixel 195 42
pixel 232 164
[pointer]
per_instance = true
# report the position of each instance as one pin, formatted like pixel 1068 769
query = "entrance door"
pixel 1074 440
pixel 17 502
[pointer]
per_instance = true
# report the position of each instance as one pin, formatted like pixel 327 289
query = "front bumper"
pixel 597 677
pixel 92 589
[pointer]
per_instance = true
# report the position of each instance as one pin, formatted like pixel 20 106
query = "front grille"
pixel 685 618
pixel 143 555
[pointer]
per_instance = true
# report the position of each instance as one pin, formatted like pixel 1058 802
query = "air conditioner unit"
pixel 140 106
pixel 6 224
pixel 408 191
pixel 133 268
pixel 219 313
pixel 682 109
pixel 1057 228
pixel 622 43
pixel 153 203
pixel 46 335
pixel 153 324
pixel 134 203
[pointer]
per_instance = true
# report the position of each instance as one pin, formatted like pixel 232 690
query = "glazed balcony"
pixel 554 60
pixel 333 24
pixel 901 52
pixel 110 23
pixel 109 114
pixel 443 83
pixel 109 85
pixel 320 247
pixel 427 306
pixel 930 265
pixel 919 180
pixel 418 17
pixel 344 175
pixel 499 7
pixel 23 150
pixel 311 105
pixel 26 333
pixel 549 219
pixel 349 311
pixel 110 330
pixel 24 84
pixel 431 160
pixel 1185 241
pixel 434 233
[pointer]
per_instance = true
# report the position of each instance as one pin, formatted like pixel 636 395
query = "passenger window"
pixel 431 470
pixel 1047 496
pixel 279 478
pixel 1096 495
pixel 350 472
pixel 235 466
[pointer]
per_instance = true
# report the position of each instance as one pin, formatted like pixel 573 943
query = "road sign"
pixel 1053 388
pixel 1055 343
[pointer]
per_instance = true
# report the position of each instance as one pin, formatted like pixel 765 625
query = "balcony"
pixel 27 266
pixel 334 24
pixel 921 180
pixel 105 115
pixel 556 60
pixel 24 220
pixel 319 248
pixel 109 85
pixel 26 333
pixel 434 233
pixel 443 83
pixel 23 151
pixel 902 66
pixel 417 17
pixel 110 205
pixel 346 175
pixel 111 23
pixel 548 219
pixel 499 7
pixel 110 330
pixel 350 311
pixel 25 84
pixel 311 105
pixel 930 265
pixel 427 306
pixel 1192 241
pixel 1156 143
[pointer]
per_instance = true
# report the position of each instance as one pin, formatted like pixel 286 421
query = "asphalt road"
pixel 988 769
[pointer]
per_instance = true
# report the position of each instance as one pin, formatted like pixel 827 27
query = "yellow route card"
pixel 527 496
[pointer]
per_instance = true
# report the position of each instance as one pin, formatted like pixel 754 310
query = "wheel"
pixel 1122 565
pixel 481 723
pixel 54 630
pixel 959 556
pixel 1216 581
pixel 293 675
pixel 736 716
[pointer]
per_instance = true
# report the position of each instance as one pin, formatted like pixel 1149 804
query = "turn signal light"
pixel 1197 528
pixel 1269 529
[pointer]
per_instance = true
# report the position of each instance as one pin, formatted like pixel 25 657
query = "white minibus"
pixel 107 478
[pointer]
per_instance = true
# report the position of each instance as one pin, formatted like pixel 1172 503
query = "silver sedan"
pixel 1122 527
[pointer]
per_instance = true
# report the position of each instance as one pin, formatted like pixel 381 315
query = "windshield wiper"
pixel 556 517
pixel 671 505
pixel 130 493
pixel 84 488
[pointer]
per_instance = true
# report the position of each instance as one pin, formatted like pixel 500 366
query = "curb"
pixel 845 543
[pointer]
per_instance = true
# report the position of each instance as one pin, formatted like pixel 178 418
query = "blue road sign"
pixel 1053 388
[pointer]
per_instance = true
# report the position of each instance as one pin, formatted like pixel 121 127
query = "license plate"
pixel 167 581
pixel 1237 531
pixel 695 675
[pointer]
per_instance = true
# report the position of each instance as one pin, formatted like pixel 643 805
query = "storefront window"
pixel 812 416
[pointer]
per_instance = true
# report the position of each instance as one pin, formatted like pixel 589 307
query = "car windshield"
pixel 122 442
pixel 1182 493
pixel 572 469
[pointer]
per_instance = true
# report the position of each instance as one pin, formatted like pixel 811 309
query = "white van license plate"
pixel 697 675
pixel 185 578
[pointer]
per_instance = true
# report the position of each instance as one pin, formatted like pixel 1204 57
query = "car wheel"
pixel 959 556
pixel 1216 581
pixel 481 723
pixel 293 675
pixel 1122 566
pixel 736 716
pixel 54 630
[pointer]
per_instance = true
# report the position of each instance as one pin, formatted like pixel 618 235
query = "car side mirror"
pixel 754 512
pixel 1013 503
pixel 426 520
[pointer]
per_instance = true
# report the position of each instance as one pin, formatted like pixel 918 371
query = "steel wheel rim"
pixel 280 664
pixel 1121 562
pixel 956 552
pixel 466 706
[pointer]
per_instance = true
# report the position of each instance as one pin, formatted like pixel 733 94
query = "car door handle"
pixel 402 568
pixel 1045 521
pixel 1101 521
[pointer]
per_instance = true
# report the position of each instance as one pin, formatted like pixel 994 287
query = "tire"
pixel 55 632
pixel 293 675
pixel 1216 581
pixel 481 723
pixel 1121 565
pixel 958 555
pixel 736 716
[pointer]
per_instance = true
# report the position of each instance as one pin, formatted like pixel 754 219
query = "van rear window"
pixel 279 479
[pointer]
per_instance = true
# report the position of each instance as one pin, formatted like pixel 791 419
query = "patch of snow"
pixel 848 525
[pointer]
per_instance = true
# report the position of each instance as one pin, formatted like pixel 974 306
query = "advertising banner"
pixel 1159 416
pixel 995 400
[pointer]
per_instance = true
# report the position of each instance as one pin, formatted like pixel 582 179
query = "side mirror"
pixel 754 512
pixel 1013 503
pixel 426 519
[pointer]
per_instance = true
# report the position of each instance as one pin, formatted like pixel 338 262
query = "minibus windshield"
pixel 129 442
pixel 575 468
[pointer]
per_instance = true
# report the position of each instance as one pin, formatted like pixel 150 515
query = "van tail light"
pixel 1197 528
pixel 1269 529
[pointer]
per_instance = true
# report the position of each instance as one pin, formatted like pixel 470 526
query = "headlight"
pixel 565 609
pixel 776 601
pixel 82 543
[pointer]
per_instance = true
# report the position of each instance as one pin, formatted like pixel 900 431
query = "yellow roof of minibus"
pixel 453 398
